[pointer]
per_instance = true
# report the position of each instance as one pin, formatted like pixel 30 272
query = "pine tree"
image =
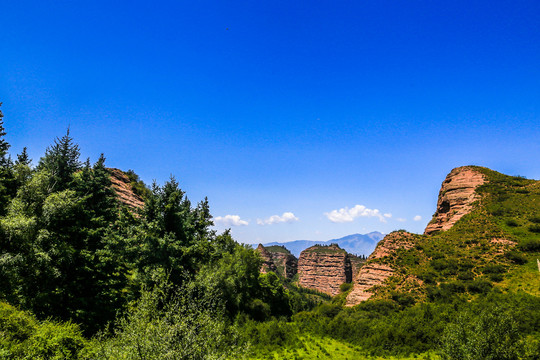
pixel 62 161
pixel 4 146
pixel 23 158
pixel 7 180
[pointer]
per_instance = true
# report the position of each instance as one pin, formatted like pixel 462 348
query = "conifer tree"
pixel 23 158
pixel 62 161
pixel 7 181
pixel 4 146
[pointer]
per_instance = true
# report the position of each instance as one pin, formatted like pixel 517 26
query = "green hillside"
pixel 494 246
pixel 471 292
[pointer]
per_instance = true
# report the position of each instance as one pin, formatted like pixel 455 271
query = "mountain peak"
pixel 458 192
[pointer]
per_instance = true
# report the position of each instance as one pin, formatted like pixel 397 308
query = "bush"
pixel 535 219
pixel 531 245
pixel 345 287
pixel 24 337
pixel 492 334
pixel 512 223
pixel 479 286
pixel 534 229
pixel 177 326
pixel 516 257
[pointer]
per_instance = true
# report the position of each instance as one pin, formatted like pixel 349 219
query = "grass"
pixel 318 348
pixel 523 278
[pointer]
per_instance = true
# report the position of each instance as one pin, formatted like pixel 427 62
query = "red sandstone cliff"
pixel 122 185
pixel 279 260
pixel 375 273
pixel 457 194
pixel 455 198
pixel 268 262
pixel 324 268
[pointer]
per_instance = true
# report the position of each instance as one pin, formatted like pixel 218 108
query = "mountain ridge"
pixel 356 244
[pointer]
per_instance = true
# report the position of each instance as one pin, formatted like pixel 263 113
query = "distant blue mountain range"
pixel 357 244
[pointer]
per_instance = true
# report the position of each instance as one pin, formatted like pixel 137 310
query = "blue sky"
pixel 282 113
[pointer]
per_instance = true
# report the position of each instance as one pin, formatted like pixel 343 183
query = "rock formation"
pixel 268 263
pixel 455 198
pixel 324 268
pixel 374 272
pixel 122 185
pixel 286 263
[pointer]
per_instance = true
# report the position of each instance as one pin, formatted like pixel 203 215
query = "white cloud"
pixel 417 218
pixel 287 217
pixel 231 220
pixel 347 215
pixel 401 219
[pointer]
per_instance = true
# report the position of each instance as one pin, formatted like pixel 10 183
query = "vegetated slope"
pixel 485 233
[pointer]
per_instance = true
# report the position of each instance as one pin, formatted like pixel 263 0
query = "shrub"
pixel 479 286
pixel 535 219
pixel 466 275
pixel 492 334
pixel 512 223
pixel 534 229
pixel 516 257
pixel 176 326
pixel 24 337
pixel 403 299
pixel 345 287
pixel 530 245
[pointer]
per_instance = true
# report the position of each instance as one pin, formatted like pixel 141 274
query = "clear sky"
pixel 298 119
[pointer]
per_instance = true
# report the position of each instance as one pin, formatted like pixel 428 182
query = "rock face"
pixel 279 260
pixel 286 263
pixel 375 273
pixel 122 185
pixel 324 268
pixel 268 262
pixel 455 198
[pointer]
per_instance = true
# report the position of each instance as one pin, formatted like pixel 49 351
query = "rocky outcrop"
pixel 122 186
pixel 369 276
pixel 324 268
pixel 268 262
pixel 458 192
pixel 286 263
pixel 392 242
pixel 374 272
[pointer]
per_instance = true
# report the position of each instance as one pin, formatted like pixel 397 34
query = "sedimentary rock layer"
pixel 268 262
pixel 122 185
pixel 324 268
pixel 286 263
pixel 455 198
pixel 375 273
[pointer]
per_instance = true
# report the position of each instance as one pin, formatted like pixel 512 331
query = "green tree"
pixel 491 335
pixel 181 326
pixel 62 161
pixel 7 180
